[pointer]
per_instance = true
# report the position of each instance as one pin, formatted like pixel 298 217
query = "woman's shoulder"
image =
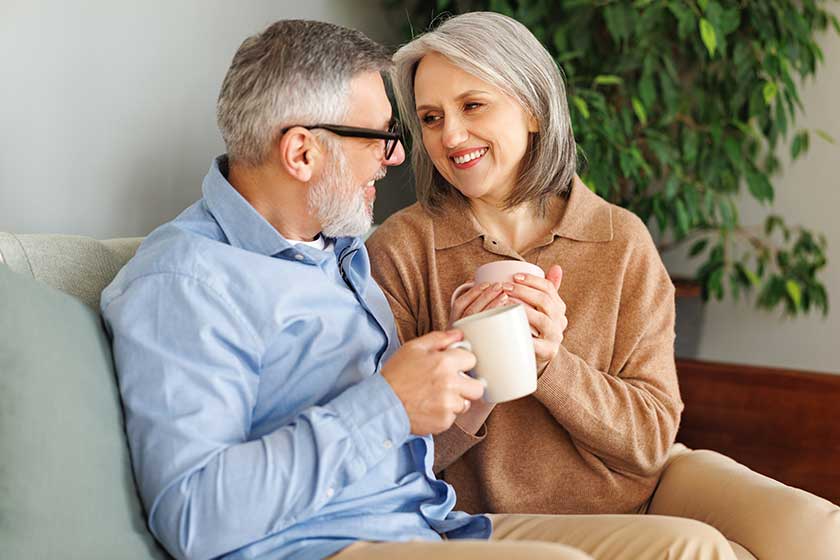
pixel 596 219
pixel 406 227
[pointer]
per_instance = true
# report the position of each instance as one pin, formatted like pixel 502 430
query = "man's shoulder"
pixel 183 247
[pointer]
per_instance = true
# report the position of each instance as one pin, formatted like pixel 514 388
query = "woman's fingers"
pixel 539 293
pixel 475 299
pixel 544 350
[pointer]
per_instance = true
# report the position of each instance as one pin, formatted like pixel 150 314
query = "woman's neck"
pixel 519 228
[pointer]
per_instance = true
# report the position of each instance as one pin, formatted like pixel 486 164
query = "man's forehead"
pixel 369 104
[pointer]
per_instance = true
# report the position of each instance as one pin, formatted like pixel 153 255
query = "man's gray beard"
pixel 339 206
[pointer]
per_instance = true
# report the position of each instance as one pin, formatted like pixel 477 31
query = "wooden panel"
pixel 782 423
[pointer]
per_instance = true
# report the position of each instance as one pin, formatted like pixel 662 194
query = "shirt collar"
pixel 243 226
pixel 587 218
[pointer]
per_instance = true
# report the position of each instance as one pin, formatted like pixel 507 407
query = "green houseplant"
pixel 677 106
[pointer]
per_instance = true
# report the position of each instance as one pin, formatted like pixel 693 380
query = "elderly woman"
pixel 494 161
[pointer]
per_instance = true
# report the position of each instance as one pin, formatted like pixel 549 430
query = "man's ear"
pixel 299 154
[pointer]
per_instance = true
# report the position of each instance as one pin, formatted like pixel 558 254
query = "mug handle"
pixel 465 345
pixel 459 291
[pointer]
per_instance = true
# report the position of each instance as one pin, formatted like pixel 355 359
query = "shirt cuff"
pixel 374 417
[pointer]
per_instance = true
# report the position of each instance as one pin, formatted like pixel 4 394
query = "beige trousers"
pixel 572 537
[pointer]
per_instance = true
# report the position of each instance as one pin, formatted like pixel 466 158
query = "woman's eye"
pixel 429 119
pixel 471 106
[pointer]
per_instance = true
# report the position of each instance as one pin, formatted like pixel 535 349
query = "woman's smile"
pixel 467 158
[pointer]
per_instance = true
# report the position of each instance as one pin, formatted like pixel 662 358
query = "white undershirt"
pixel 319 243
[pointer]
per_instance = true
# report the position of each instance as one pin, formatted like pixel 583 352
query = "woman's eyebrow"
pixel 460 96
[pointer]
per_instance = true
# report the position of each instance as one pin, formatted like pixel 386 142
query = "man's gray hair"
pixel 504 53
pixel 294 72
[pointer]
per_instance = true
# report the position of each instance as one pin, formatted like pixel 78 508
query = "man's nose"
pixel 398 156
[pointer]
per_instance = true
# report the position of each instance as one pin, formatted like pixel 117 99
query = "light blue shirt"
pixel 258 422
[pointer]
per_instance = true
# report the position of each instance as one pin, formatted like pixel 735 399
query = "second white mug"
pixel 501 340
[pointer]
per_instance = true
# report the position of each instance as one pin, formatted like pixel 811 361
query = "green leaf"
pixel 685 19
pixel 799 144
pixel 559 39
pixel 607 80
pixel 751 276
pixel 618 18
pixel 671 186
pixel 759 186
pixel 794 292
pixel 683 221
pixel 733 151
pixel 703 4
pixel 707 33
pixel 769 92
pixel 730 20
pixel 825 136
pixel 689 145
pixel 581 105
pixel 639 109
pixel 647 91
pixel 698 247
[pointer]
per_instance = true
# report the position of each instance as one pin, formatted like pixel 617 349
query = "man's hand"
pixel 427 378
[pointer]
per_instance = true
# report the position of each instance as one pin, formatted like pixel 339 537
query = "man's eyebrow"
pixel 467 93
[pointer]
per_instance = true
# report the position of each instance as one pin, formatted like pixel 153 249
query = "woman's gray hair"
pixel 504 53
pixel 294 72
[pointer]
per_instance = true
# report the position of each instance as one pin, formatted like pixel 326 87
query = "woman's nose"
pixel 454 133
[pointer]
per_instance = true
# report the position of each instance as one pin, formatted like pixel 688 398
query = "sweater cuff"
pixel 453 443
pixel 553 384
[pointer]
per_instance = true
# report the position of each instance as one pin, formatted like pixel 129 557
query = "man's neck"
pixel 279 199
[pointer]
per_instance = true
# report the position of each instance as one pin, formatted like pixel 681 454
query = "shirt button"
pixel 299 257
pixel 330 492
pixel 387 444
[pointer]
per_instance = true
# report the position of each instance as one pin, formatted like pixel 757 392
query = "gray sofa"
pixel 66 487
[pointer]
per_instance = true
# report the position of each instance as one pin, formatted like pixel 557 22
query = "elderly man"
pixel 269 410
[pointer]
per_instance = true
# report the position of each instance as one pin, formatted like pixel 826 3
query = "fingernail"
pixel 497 286
pixel 519 277
pixel 503 299
pixel 508 287
pixel 483 286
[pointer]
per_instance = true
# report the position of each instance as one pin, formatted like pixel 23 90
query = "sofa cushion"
pixel 80 266
pixel 66 487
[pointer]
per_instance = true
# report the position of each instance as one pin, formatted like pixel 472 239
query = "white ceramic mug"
pixel 500 339
pixel 499 271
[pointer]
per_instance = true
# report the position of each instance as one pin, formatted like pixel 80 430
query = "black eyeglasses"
pixel 391 136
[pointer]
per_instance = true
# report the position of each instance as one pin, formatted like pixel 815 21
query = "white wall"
pixel 107 126
pixel 807 193
pixel 107 109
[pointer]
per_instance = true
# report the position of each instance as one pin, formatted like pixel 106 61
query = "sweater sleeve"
pixel 627 416
pixel 394 263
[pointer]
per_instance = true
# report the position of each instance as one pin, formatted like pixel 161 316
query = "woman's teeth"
pixel 460 160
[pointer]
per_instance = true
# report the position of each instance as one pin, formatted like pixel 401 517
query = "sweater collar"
pixel 587 218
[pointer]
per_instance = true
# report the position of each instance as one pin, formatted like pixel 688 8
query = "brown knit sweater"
pixel 594 436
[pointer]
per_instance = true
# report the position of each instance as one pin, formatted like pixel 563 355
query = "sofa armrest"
pixel 768 518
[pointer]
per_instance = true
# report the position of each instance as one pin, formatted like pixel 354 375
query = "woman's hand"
pixel 545 309
pixel 474 416
pixel 476 299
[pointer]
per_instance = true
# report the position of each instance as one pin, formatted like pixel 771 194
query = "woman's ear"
pixel 533 123
pixel 299 153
